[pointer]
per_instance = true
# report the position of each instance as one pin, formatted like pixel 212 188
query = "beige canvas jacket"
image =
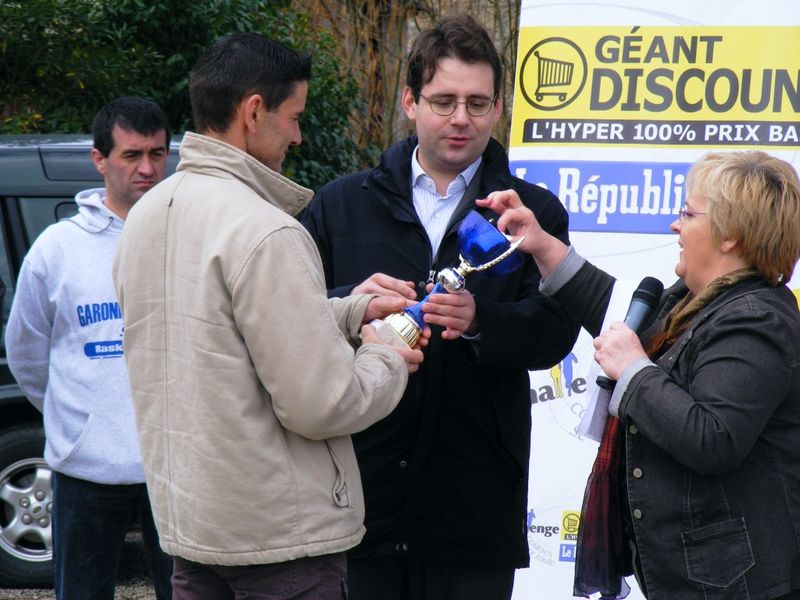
pixel 245 389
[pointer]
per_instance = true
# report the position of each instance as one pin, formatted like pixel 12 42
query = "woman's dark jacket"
pixel 712 443
pixel 446 474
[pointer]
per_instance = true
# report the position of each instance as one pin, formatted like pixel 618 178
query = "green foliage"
pixel 57 68
pixel 60 60
pixel 328 149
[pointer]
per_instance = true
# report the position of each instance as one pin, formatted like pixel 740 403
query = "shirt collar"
pixel 418 172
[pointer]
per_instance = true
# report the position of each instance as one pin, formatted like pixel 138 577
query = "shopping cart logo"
pixel 553 73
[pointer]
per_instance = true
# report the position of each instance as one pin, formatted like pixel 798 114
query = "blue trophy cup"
pixel 482 248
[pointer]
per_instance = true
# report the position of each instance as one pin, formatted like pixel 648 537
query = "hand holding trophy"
pixel 482 248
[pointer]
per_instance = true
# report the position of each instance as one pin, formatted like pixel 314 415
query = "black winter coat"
pixel 446 474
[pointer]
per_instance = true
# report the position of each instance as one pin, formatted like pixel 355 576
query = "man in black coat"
pixel 446 474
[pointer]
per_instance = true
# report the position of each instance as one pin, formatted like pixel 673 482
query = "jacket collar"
pixel 747 286
pixel 210 156
pixel 679 290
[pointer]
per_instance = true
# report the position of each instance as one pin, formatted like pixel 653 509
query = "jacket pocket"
pixel 339 491
pixel 718 554
pixel 82 437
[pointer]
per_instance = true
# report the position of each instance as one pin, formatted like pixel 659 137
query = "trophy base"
pixel 398 329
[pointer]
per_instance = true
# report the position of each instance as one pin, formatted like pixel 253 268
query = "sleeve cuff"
pixel 566 269
pixel 624 381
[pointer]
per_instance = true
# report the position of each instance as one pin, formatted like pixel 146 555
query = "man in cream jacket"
pixel 246 380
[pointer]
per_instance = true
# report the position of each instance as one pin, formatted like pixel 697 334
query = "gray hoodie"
pixel 64 346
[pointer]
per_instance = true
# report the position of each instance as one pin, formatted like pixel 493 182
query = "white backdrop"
pixel 613 101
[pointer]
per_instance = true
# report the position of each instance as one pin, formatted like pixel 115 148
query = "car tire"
pixel 26 542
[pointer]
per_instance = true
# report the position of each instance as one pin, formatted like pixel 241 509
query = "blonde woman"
pixel 708 397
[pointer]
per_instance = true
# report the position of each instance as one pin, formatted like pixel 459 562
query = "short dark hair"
pixel 237 65
pixel 130 113
pixel 456 36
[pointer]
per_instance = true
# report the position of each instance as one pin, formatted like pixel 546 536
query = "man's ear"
pixel 99 161
pixel 497 109
pixel 252 107
pixel 409 104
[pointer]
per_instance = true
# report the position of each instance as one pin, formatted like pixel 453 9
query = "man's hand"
pixel 454 312
pixel 386 285
pixel 383 306
pixel 412 356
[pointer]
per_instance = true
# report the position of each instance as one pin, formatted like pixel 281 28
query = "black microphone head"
pixel 643 303
pixel 649 291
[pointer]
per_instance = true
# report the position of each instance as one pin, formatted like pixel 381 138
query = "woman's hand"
pixel 517 220
pixel 617 348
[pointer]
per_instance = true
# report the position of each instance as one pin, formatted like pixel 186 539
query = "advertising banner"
pixel 613 102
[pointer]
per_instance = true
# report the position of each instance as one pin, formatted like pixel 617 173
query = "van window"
pixel 5 276
pixel 38 213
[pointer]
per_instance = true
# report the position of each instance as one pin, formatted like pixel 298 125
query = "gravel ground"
pixel 132 580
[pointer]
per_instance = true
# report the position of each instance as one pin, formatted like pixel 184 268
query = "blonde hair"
pixel 753 198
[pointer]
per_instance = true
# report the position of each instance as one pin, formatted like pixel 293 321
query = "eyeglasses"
pixel 444 107
pixel 685 214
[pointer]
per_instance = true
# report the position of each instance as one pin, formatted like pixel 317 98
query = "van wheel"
pixel 26 507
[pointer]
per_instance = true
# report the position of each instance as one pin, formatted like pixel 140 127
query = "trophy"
pixel 482 248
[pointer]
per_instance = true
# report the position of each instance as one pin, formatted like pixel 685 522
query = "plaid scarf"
pixel 602 557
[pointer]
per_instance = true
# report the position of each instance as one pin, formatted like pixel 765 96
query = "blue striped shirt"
pixel 433 209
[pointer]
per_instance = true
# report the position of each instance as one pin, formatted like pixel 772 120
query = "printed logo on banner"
pixel 612 196
pixel 564 382
pixel 561 391
pixel 556 75
pixel 658 86
pixel 548 540
pixel 566 553
pixel 570 523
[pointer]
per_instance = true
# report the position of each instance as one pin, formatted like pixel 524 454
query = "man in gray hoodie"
pixel 64 344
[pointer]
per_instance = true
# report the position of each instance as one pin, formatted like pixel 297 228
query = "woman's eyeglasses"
pixel 685 214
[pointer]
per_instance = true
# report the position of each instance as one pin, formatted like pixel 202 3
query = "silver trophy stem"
pixel 453 280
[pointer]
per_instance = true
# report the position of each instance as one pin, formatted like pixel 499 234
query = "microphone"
pixel 643 302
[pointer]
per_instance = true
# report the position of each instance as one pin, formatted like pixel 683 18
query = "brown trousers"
pixel 312 578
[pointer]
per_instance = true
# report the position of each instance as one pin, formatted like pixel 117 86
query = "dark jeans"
pixel 90 521
pixel 393 578
pixel 312 578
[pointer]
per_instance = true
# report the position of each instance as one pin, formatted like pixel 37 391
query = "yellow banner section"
pixel 696 79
